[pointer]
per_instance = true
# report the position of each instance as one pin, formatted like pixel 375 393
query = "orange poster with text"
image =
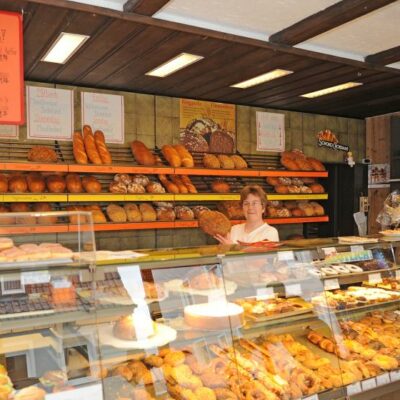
pixel 11 69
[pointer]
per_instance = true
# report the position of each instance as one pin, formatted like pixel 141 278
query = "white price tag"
pixel 285 255
pixel 383 379
pixel 331 284
pixel 356 248
pixel 368 384
pixel 329 251
pixel 265 293
pixel 312 397
pixel 398 275
pixel 86 392
pixel 35 277
pixel 293 290
pixel 375 278
pixel 395 375
pixel 216 296
pixel 354 388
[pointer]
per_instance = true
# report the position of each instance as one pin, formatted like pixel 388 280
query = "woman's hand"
pixel 224 239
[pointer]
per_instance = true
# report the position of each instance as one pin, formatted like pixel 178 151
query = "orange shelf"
pixel 216 172
pixel 295 174
pixel 15 166
pixel 24 230
pixel 119 169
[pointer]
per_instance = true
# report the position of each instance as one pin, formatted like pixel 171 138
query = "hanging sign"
pixel 9 132
pixel 328 139
pixel 270 131
pixel 11 69
pixel 104 112
pixel 50 113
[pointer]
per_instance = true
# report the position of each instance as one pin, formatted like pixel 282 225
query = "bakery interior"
pixel 112 285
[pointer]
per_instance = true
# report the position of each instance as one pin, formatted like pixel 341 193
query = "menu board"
pixel 9 132
pixel 270 131
pixel 104 112
pixel 11 69
pixel 50 113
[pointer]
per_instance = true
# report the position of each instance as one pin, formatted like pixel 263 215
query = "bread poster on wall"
pixel 207 127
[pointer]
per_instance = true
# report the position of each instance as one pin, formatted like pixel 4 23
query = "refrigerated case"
pixel 311 318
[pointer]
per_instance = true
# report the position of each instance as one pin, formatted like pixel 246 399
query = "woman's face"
pixel 253 208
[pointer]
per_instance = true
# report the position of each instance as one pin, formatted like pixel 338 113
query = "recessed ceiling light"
pixel 257 80
pixel 64 47
pixel 175 64
pixel 332 89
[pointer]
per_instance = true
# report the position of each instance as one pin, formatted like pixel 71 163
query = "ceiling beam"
pixel 325 20
pixel 385 57
pixel 144 7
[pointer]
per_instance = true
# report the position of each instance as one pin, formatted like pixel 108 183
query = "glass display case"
pixel 310 319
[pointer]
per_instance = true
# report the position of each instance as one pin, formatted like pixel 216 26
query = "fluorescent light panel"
pixel 175 64
pixel 257 80
pixel 64 47
pixel 332 89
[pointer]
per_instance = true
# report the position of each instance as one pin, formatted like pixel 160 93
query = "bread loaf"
pixel 91 184
pixel 273 181
pixel 74 183
pixel 220 187
pixel 3 183
pixel 239 161
pixel 56 184
pixel 142 154
pixel 123 178
pixel 170 186
pixel 45 219
pixel 102 148
pixel 116 213
pixel 36 182
pixel 211 161
pixel 316 164
pixel 17 184
pixel 231 208
pixel 148 212
pixel 42 154
pixel 6 220
pixel 135 188
pixel 154 187
pixel 303 164
pixel 133 213
pixel 184 213
pixel 76 219
pixel 226 162
pixel 188 183
pixel 214 223
pixel 317 188
pixel 298 212
pixel 171 155
pixel 282 189
pixel 318 209
pixel 98 216
pixel 141 180
pixel 90 145
pixel 197 210
pixel 78 148
pixel 178 182
pixel 117 187
pixel 23 207
pixel 186 157
pixel 165 214
pixel 289 163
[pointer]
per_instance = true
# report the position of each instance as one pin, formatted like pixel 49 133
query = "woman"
pixel 253 201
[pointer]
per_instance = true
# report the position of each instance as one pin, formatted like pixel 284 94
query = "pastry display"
pixel 42 154
pixel 214 223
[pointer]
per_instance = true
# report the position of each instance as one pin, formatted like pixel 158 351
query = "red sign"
pixel 11 69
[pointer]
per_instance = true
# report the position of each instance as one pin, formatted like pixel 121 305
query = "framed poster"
pixel 9 132
pixel 11 69
pixel 104 112
pixel 207 127
pixel 50 113
pixel 378 175
pixel 270 128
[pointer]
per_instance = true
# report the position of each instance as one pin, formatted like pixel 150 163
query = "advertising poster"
pixel 378 175
pixel 104 112
pixel 207 126
pixel 270 131
pixel 50 113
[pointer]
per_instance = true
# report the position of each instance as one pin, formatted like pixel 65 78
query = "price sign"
pixel 329 251
pixel 293 290
pixel 383 379
pixel 357 248
pixel 374 278
pixel 11 69
pixel 368 384
pixel 395 375
pixel 354 388
pixel 265 293
pixel 331 284
pixel 35 277
pixel 86 392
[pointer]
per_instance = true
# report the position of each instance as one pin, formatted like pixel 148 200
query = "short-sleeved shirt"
pixel 263 232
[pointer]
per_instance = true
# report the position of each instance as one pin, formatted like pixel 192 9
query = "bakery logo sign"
pixel 328 139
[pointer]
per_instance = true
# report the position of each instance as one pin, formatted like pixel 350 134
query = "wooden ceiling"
pixel 123 46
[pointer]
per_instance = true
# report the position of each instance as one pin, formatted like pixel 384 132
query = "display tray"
pixel 126 300
pixel 54 262
pixel 371 306
pixel 176 285
pixel 164 335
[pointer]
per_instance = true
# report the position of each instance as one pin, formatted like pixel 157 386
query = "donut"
pixel 341 268
pixel 328 271
pixel 316 272
pixel 354 268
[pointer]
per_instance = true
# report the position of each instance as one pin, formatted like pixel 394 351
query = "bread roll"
pixel 303 164
pixel 133 213
pixel 184 213
pixel 90 145
pixel 239 161
pixel 272 180
pixel 6 220
pixel 23 207
pixel 317 188
pixel 76 219
pixel 42 154
pixel 170 186
pixel 316 164
pixel 98 216
pixel 186 157
pixel 142 154
pixel 318 209
pixel 141 180
pixel 45 220
pixel 188 183
pixel 3 183
pixel 117 187
pixel 78 148
pixel 197 210
pixel 289 164
pixel 178 182
pixel 74 183
pixel 135 188
pixel 91 184
pixel 56 184
pixel 165 214
pixel 116 213
pixel 308 180
pixel 214 223
pixel 17 184
pixel 298 212
pixel 283 180
pixel 171 155
pixel 226 162
pixel 148 212
pixel 123 178
pixel 282 189
pixel 100 142
pixel 154 187
pixel 211 161
pixel 220 187
pixel 36 182
pixel 294 189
